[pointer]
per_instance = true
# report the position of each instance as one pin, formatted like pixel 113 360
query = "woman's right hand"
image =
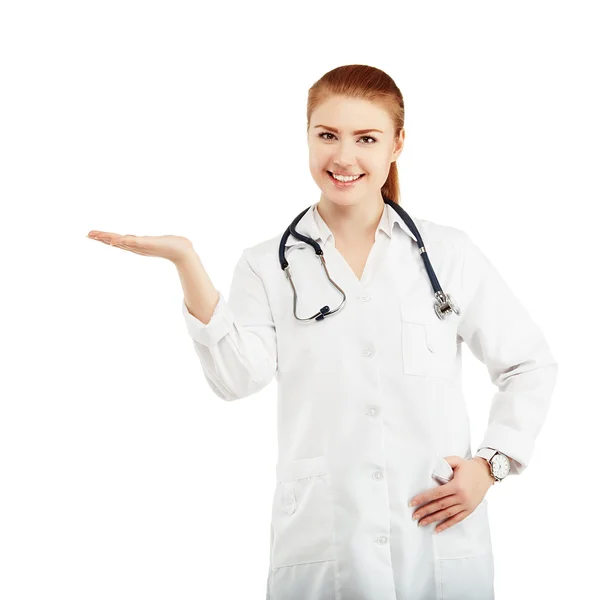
pixel 171 247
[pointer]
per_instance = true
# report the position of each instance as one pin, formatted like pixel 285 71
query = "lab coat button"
pixel 365 297
pixel 372 412
pixel 368 352
pixel 382 539
pixel 378 475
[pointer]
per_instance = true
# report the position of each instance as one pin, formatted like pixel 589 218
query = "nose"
pixel 343 156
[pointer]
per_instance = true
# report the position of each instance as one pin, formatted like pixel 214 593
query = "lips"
pixel 340 185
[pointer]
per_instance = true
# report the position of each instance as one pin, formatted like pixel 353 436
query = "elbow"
pixel 248 383
pixel 252 386
pixel 237 366
pixel 542 368
pixel 259 372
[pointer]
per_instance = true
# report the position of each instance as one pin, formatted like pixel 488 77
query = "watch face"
pixel 500 466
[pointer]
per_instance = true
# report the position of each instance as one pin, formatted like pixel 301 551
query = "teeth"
pixel 344 177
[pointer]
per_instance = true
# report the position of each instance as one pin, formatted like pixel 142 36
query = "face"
pixel 349 136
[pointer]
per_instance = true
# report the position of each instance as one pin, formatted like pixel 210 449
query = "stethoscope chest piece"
pixel 444 305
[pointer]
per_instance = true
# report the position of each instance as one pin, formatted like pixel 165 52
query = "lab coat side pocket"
pixel 302 518
pixel 463 552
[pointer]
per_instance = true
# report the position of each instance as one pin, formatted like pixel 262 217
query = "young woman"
pixel 377 495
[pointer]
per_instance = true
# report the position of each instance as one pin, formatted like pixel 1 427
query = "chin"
pixel 340 200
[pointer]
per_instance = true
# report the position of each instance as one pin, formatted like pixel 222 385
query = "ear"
pixel 398 145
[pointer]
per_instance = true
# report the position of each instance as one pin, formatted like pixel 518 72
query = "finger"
pixel 131 249
pixel 132 243
pixel 117 245
pixel 452 521
pixel 95 233
pixel 130 240
pixel 432 507
pixel 112 239
pixel 104 237
pixel 103 240
pixel 138 244
pixel 440 491
pixel 444 513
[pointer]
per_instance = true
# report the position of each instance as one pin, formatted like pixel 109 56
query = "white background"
pixel 121 475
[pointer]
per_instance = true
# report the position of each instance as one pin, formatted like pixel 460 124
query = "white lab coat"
pixel 370 401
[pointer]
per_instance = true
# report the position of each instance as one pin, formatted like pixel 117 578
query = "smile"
pixel 345 182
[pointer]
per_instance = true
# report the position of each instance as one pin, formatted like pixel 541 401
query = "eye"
pixel 325 133
pixel 362 138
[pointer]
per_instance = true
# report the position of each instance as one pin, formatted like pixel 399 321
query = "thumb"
pixel 454 461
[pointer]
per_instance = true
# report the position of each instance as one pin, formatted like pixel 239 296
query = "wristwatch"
pixel 499 463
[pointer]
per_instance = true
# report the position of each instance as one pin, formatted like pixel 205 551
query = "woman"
pixel 370 407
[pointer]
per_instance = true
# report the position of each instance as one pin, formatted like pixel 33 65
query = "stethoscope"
pixel 443 304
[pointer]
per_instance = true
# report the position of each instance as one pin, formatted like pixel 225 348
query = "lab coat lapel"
pixel 408 275
pixel 404 264
pixel 406 269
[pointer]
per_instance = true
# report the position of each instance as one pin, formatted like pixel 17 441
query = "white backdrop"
pixel 121 475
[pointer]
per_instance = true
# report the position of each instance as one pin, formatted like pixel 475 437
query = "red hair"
pixel 367 83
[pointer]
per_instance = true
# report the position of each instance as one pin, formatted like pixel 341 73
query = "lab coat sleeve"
pixel 237 347
pixel 500 333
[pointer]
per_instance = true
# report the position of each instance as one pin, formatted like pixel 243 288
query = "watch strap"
pixel 486 453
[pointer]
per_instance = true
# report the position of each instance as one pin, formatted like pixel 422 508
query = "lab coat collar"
pixel 313 225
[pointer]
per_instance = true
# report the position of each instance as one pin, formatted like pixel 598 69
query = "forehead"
pixel 348 114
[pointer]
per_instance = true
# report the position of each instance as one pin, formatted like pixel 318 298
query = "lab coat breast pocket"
pixel 302 519
pixel 463 552
pixel 429 344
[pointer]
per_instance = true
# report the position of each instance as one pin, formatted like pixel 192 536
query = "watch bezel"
pixel 496 462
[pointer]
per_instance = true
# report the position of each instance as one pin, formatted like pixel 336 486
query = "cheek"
pixel 377 169
pixel 317 168
pixel 318 164
pixel 316 160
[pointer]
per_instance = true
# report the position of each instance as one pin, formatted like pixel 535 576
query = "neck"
pixel 352 223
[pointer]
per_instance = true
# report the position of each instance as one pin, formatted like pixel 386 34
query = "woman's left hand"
pixel 459 497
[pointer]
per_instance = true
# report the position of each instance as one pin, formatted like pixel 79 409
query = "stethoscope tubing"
pixel 443 306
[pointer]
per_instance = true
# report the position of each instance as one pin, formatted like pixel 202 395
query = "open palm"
pixel 171 247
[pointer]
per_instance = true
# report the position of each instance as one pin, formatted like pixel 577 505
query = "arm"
pixel 235 340
pixel 500 333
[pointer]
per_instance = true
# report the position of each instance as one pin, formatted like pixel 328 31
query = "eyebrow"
pixel 355 133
